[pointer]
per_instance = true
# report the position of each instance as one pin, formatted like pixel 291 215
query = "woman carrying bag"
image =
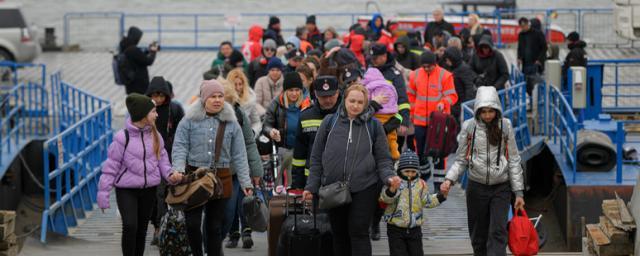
pixel 136 162
pixel 487 148
pixel 195 147
pixel 350 151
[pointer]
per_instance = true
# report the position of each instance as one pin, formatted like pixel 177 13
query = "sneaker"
pixel 247 241
pixel 233 240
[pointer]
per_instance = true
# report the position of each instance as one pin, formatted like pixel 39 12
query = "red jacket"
pixel 252 49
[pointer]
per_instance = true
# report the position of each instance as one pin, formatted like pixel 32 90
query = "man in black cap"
pixel 327 93
pixel 273 31
pixel 314 37
pixel 294 59
pixel 577 56
pixel 384 61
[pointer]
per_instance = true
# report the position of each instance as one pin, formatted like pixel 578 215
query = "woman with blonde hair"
pixel 246 98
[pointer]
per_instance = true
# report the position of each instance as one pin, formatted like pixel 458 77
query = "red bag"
pixel 441 135
pixel 523 238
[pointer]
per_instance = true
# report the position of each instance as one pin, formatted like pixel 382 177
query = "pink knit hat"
pixel 210 87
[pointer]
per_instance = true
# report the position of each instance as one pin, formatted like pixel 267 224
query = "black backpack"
pixel 123 72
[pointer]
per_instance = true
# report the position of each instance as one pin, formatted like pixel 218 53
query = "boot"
pixel 247 242
pixel 375 231
pixel 233 240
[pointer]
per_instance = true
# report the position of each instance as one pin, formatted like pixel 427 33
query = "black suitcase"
pixel 305 233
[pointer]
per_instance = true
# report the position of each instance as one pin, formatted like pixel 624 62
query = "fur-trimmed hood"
pixel 196 112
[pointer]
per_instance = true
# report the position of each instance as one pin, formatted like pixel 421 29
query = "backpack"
pixel 441 135
pixel 523 237
pixel 172 239
pixel 123 73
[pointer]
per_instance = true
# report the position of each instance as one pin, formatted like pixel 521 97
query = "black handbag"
pixel 338 193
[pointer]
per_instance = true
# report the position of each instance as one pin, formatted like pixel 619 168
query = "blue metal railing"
pixel 623 82
pixel 560 123
pixel 73 157
pixel 621 139
pixel 23 113
pixel 17 69
pixel 196 27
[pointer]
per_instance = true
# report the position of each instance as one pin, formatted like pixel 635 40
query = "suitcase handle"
pixel 295 213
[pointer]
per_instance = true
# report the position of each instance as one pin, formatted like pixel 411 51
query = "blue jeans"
pixel 233 210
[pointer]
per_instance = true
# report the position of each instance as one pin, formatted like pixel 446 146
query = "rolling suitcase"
pixel 305 233
pixel 441 135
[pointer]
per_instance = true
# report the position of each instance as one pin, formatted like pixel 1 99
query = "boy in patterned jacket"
pixel 405 202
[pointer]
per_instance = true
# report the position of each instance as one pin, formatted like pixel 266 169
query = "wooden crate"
pixel 615 235
pixel 8 243
pixel 7 216
pixel 7 229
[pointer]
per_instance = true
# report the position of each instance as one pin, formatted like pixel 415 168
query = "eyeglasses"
pixel 269 50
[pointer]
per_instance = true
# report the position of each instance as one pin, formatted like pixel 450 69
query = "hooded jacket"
pixel 346 146
pixel 404 207
pixel 479 157
pixel 137 166
pixel 532 47
pixel 376 84
pixel 463 78
pixel 252 48
pixel 356 45
pixel 139 60
pixel 373 32
pixel 393 75
pixel 493 68
pixel 266 90
pixel 408 59
pixel 169 114
pixel 194 144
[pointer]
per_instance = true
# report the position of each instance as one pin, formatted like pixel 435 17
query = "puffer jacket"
pixel 137 166
pixel 278 117
pixel 404 208
pixel 476 154
pixel 194 143
pixel 252 48
pixel 347 145
pixel 266 90
pixel 376 85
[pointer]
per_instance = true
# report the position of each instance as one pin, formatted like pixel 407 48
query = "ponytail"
pixel 156 140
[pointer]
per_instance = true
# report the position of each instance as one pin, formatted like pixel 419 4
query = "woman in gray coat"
pixel 487 148
pixel 351 146
pixel 194 147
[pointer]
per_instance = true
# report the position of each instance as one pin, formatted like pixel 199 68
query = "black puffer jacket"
pixel 463 78
pixel 577 56
pixel 169 114
pixel 409 59
pixel 347 145
pixel 138 59
pixel 492 69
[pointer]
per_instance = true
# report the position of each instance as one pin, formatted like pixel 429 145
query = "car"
pixel 18 42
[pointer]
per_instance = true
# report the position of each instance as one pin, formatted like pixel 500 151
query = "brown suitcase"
pixel 277 214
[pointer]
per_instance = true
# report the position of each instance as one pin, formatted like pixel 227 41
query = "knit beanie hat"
pixel 292 80
pixel 427 57
pixel 274 20
pixel 408 160
pixel 208 88
pixel 139 106
pixel 275 63
pixel 311 19
pixel 269 44
pixel 573 36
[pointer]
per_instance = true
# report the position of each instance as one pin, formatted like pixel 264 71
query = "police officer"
pixel 328 94
pixel 381 59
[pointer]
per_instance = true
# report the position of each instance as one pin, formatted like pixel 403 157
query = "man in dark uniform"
pixel 384 61
pixel 328 94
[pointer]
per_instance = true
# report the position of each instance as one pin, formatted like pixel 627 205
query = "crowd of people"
pixel 353 108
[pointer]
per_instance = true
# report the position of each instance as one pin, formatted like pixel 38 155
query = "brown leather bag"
pixel 202 184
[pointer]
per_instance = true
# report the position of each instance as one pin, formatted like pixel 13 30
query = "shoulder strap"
pixel 473 144
pixel 219 138
pixel 499 144
pixel 126 141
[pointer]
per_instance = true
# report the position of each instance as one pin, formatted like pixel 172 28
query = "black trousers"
pixel 350 223
pixel 135 207
pixel 404 242
pixel 438 163
pixel 487 212
pixel 214 216
pixel 379 212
